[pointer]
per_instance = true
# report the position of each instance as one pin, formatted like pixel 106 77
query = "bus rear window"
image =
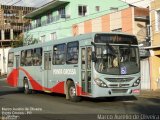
pixel 10 59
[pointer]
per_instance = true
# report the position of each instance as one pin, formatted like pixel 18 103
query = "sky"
pixel 38 3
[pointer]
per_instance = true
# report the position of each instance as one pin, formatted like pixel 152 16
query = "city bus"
pixel 89 65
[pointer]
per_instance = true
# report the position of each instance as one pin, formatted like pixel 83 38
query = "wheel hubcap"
pixel 26 86
pixel 72 91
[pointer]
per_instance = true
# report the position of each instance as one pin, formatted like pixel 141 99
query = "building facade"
pixel 55 19
pixel 12 23
pixel 132 20
pixel 11 26
pixel 155 44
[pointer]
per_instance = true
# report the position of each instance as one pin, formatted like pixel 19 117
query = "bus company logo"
pixel 64 71
pixel 123 70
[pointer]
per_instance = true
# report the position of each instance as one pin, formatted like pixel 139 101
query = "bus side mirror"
pixel 94 59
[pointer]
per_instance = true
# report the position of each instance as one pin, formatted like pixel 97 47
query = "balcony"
pixel 49 20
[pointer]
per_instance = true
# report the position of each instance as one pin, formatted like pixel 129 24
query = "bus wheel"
pixel 26 88
pixel 72 93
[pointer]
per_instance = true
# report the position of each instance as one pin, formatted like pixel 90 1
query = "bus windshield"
pixel 117 59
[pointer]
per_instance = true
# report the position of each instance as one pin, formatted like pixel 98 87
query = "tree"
pixel 20 40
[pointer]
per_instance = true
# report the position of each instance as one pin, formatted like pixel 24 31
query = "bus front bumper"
pixel 113 92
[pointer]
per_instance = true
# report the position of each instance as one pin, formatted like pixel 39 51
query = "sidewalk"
pixel 150 94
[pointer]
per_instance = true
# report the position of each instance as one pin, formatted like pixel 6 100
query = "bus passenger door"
pixel 46 69
pixel 86 69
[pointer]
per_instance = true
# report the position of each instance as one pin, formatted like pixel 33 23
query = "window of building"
pixel 157 20
pixel 61 12
pixel 43 38
pixel 53 36
pixel 49 17
pixel 59 54
pixel 37 57
pixel 97 8
pixel 10 59
pixel 114 9
pixel 82 10
pixel 38 22
pixel 72 52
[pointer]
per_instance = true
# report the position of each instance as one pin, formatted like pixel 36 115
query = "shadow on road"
pixel 8 92
pixel 110 99
pixel 96 100
pixel 154 100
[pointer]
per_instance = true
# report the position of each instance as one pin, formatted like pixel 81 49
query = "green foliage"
pixel 21 40
pixel 29 40
pixel 18 41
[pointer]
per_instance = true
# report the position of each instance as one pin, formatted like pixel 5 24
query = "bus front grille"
pixel 119 79
pixel 118 85
pixel 119 90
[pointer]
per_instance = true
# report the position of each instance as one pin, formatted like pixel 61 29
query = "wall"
pixel 123 19
pixel 155 47
pixel 155 71
pixel 155 5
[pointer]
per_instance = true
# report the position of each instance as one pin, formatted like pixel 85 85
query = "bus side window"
pixel 28 61
pixel 59 54
pixel 37 57
pixel 10 59
pixel 72 52
pixel 23 56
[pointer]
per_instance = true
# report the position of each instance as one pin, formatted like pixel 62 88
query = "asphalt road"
pixel 43 106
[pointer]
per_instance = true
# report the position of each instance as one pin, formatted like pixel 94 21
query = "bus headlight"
pixel 136 83
pixel 100 83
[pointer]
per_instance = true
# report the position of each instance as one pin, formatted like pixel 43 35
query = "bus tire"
pixel 72 93
pixel 26 88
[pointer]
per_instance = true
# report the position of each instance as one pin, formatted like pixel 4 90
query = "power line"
pixel 42 2
pixel 16 2
pixel 12 2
